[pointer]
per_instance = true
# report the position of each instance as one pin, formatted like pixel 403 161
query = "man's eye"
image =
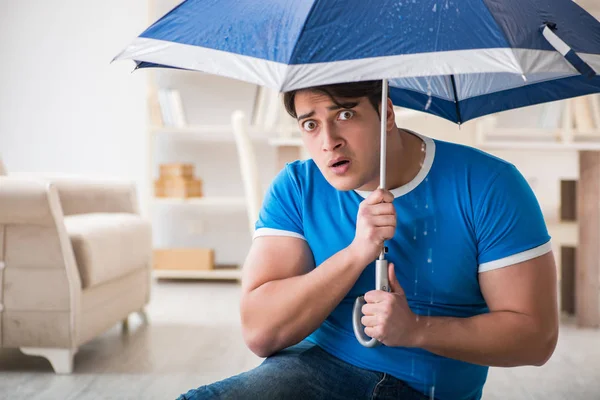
pixel 345 115
pixel 309 125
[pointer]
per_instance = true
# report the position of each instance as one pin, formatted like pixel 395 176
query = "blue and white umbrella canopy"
pixel 457 59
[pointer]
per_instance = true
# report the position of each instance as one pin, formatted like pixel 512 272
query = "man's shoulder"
pixel 467 157
pixel 304 174
pixel 300 168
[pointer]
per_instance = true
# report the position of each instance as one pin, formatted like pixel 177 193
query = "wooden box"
pixel 177 170
pixel 184 259
pixel 178 187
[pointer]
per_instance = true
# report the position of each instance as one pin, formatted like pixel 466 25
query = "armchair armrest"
pixel 27 201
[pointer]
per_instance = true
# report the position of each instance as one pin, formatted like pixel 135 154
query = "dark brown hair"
pixel 353 90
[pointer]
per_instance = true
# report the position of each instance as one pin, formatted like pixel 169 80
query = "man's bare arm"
pixel 284 297
pixel 521 328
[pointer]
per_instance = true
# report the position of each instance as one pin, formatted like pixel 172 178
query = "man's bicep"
pixel 528 288
pixel 274 258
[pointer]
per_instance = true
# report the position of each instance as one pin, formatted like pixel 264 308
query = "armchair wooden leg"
pixel 60 359
pixel 144 316
pixel 125 325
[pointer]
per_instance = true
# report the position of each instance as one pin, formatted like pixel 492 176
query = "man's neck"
pixel 404 158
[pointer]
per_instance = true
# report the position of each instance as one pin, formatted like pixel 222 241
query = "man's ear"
pixel 391 115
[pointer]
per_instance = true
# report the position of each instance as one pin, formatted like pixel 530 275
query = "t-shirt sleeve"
pixel 509 223
pixel 281 212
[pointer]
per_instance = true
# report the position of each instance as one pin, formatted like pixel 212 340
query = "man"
pixel 471 269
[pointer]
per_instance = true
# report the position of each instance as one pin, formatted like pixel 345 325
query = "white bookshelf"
pixel 212 133
pixel 223 202
pixel 538 145
pixel 219 273
pixel 285 142
pixel 196 128
pixel 571 125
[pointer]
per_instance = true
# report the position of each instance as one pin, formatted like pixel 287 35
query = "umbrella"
pixel 458 60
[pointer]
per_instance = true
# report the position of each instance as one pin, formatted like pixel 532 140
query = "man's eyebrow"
pixel 307 115
pixel 330 108
pixel 342 105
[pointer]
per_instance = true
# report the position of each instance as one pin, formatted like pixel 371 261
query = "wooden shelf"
pixel 229 274
pixel 539 145
pixel 283 141
pixel 232 202
pixel 213 133
pixel 563 233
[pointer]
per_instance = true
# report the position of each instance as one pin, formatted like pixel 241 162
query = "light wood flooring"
pixel 194 338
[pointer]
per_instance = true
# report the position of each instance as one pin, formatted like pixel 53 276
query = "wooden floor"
pixel 194 338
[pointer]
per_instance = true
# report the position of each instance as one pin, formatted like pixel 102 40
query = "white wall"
pixel 64 108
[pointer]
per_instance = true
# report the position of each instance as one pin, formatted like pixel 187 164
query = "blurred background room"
pixel 179 162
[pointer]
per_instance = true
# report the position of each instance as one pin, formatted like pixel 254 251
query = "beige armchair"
pixel 75 259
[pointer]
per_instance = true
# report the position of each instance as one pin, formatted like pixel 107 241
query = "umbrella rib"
pixel 458 117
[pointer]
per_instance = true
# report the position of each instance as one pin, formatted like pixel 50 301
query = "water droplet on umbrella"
pixel 429 90
pixel 434 9
pixel 416 283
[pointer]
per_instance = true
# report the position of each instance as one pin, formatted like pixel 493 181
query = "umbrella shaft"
pixel 383 157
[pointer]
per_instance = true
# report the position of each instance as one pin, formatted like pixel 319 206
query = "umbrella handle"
pixel 381 283
pixel 381 265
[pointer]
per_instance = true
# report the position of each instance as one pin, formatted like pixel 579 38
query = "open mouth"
pixel 340 163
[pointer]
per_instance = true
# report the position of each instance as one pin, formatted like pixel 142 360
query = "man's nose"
pixel 331 139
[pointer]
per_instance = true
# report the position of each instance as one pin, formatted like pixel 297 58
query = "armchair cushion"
pixel 108 245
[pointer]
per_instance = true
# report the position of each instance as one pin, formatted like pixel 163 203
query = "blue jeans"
pixel 306 372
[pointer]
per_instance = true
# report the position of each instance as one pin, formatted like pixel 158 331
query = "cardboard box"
pixel 178 187
pixel 177 170
pixel 184 259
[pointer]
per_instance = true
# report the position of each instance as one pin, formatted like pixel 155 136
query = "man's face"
pixel 343 141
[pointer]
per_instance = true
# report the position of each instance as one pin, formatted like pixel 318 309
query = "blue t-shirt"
pixel 466 212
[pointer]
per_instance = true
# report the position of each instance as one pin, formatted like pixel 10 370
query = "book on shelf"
pixel 171 107
pixel 268 110
pixel 584 119
pixel 154 110
pixel 595 108
pixel 550 115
